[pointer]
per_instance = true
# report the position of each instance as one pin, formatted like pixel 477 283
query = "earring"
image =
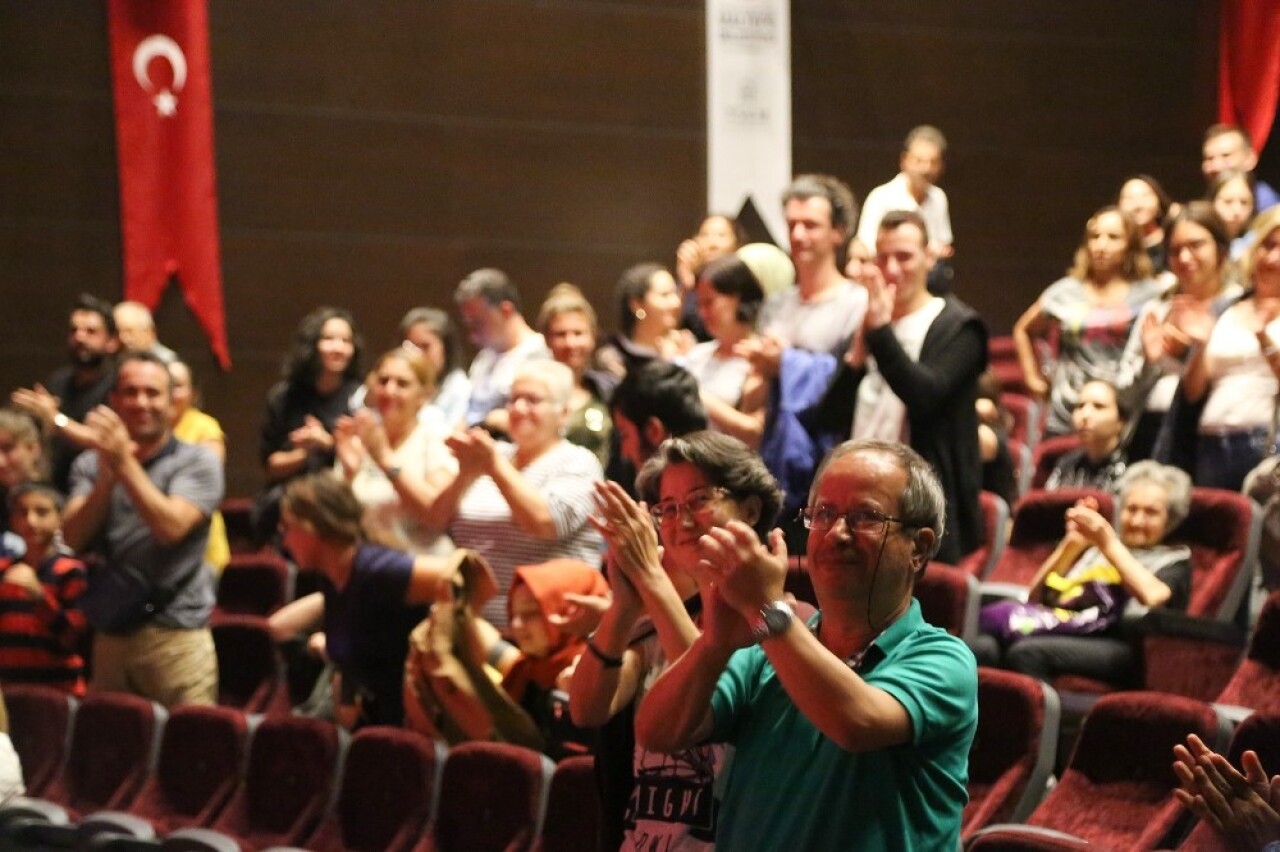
pixel 640 314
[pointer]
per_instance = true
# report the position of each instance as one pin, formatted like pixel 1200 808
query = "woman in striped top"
pixel 524 502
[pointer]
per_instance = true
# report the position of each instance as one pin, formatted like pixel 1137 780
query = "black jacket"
pixel 939 392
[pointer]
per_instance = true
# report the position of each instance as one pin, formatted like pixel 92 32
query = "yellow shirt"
pixel 196 427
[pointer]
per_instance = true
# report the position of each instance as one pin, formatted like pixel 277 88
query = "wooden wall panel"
pixel 372 153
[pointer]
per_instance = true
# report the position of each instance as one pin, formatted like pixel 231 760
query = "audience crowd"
pixel 612 515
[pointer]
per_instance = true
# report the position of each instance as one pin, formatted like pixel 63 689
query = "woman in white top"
pixel 397 463
pixel 1236 371
pixel 528 501
pixel 734 394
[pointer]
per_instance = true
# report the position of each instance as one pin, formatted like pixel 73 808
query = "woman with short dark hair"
pixel 734 393
pixel 691 485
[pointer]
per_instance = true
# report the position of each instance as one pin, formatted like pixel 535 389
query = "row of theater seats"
pixel 117 772
pixel 1193 653
pixel 1116 792
pixel 131 776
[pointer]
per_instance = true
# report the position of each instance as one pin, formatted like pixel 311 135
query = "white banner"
pixel 749 108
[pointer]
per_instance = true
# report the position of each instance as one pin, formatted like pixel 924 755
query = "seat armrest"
pixel 28 808
pixel 1002 591
pixel 1059 839
pixel 1170 622
pixel 117 822
pixel 199 840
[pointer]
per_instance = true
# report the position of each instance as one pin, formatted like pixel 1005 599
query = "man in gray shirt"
pixel 143 499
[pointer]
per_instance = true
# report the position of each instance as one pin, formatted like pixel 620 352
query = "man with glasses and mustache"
pixel 851 732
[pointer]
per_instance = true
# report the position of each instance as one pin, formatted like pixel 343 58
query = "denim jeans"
pixel 1223 460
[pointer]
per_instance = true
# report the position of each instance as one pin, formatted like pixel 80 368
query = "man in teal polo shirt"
pixel 855 732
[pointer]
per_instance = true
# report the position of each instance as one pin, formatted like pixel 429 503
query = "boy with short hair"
pixel 41 625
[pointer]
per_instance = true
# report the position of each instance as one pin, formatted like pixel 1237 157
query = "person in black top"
pixel 73 391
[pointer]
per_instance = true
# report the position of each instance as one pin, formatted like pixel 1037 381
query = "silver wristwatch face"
pixel 775 618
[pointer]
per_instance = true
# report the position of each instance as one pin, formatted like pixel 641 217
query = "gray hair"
pixel 922 502
pixel 1174 482
pixel 726 462
pixel 557 378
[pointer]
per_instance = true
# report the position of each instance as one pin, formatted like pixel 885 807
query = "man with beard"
pixel 73 391
pixel 146 498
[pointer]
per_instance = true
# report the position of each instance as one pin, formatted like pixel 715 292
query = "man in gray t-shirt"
pixel 143 499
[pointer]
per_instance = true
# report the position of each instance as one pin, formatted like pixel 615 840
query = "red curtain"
pixel 164 146
pixel 1249 66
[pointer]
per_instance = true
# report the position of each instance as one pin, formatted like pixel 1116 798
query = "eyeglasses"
pixel 531 400
pixel 824 518
pixel 699 502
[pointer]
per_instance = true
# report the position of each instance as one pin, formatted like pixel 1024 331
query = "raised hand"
pixel 1243 808
pixel 628 530
pixel 312 436
pixel 747 573
pixel 348 446
pixel 475 450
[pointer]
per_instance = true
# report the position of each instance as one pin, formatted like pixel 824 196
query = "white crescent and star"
pixel 163 47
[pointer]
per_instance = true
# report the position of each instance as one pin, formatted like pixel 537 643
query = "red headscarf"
pixel 548 583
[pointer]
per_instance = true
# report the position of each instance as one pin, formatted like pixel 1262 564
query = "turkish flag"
pixel 164 145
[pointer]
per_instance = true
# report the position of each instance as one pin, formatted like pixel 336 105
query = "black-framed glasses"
pixel 698 502
pixel 824 518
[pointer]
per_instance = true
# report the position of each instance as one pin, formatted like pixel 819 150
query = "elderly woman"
pixel 648 314
pixel 1098 581
pixel 1099 462
pixel 394 459
pixel 734 393
pixel 691 485
pixel 1093 308
pixel 568 322
pixel 1235 372
pixel 371 597
pixel 524 502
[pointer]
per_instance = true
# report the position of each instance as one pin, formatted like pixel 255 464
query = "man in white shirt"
pixel 911 374
pixel 489 305
pixel 915 188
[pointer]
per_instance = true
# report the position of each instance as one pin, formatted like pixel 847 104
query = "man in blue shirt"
pixel 855 732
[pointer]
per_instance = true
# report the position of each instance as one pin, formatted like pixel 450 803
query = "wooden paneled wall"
pixel 371 153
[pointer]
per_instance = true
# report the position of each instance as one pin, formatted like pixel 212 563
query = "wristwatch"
pixel 60 420
pixel 773 620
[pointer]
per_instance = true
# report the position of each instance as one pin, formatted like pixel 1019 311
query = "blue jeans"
pixel 1223 460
